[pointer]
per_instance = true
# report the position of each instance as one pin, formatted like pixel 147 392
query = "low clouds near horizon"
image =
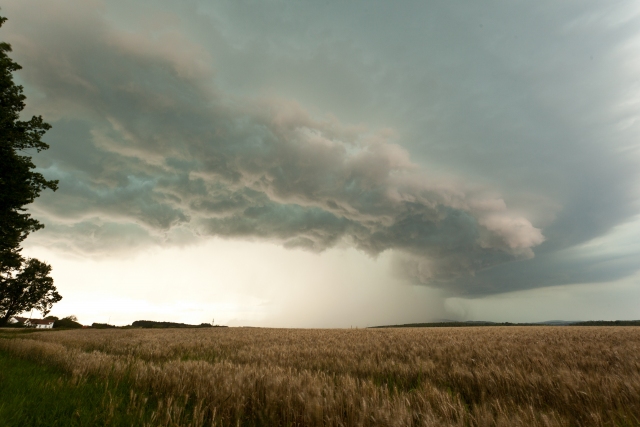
pixel 481 154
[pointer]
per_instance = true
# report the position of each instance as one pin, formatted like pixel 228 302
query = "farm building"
pixel 34 323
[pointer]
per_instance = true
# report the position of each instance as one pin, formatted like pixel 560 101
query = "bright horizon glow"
pixel 213 280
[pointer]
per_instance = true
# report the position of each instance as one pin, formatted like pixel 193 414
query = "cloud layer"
pixel 490 131
pixel 147 148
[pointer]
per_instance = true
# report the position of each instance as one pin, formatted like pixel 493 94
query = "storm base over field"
pixel 335 164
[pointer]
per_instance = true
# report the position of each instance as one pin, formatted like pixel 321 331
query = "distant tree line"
pixel 480 323
pixel 102 326
pixel 65 322
pixel 152 324
pixel 608 323
pixel 71 322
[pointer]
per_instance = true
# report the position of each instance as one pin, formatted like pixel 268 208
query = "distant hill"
pixel 453 324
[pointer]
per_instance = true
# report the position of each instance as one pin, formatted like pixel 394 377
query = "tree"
pixel 27 288
pixel 25 284
pixel 67 322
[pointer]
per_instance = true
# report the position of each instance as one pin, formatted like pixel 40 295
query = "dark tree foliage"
pixel 102 326
pixel 25 284
pixel 28 288
pixel 67 322
pixel 152 324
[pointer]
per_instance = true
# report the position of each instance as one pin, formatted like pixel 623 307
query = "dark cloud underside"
pixel 152 147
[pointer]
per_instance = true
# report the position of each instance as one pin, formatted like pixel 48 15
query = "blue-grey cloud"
pixel 514 127
pixel 145 138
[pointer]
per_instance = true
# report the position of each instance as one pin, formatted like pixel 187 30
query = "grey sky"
pixel 475 149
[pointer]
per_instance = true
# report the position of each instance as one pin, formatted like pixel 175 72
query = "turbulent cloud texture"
pixel 490 130
pixel 158 149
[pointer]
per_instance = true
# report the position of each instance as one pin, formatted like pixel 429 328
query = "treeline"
pixel 460 324
pixel 150 324
pixel 608 323
pixel 71 322
pixel 480 323
pixel 442 325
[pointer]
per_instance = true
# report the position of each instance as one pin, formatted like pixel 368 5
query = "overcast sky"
pixel 336 164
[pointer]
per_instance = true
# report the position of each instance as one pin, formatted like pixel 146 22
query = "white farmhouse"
pixel 34 323
pixel 40 323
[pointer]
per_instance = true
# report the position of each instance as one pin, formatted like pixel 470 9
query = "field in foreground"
pixel 498 376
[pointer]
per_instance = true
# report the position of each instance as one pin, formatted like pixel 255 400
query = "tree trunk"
pixel 4 320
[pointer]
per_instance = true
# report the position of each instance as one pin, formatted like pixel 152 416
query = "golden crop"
pixel 480 376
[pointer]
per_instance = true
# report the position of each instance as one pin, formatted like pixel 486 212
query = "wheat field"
pixel 479 376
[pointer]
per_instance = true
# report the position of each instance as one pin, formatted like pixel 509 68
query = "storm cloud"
pixel 162 148
pixel 477 178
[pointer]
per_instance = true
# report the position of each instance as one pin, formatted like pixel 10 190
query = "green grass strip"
pixel 34 395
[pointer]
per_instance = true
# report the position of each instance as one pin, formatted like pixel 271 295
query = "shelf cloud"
pixel 153 147
pixel 163 149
